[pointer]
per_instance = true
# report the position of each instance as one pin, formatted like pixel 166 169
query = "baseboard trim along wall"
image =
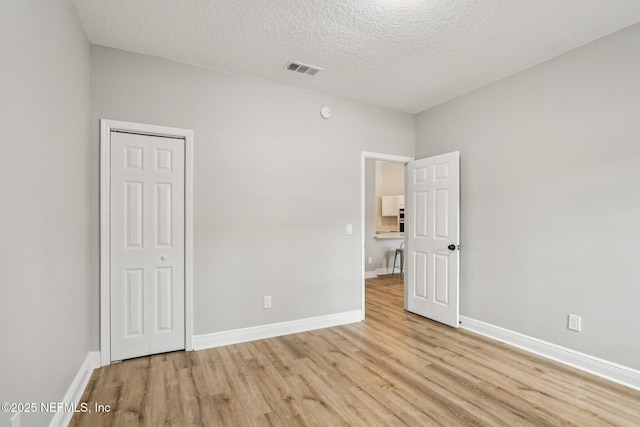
pixel 388 270
pixel 237 336
pixel 371 274
pixel 612 371
pixel 381 271
pixel 77 387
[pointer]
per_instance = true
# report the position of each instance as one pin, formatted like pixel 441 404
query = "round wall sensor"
pixel 325 112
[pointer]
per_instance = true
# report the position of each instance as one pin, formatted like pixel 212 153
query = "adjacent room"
pixel 384 217
pixel 288 138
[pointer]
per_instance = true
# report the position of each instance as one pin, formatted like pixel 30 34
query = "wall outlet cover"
pixel 575 323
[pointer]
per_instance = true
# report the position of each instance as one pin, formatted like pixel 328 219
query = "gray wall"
pixel 275 184
pixel 44 191
pixel 550 164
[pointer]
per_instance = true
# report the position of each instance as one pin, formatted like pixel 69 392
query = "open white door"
pixel 432 231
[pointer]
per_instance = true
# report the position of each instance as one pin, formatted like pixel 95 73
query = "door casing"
pixel 106 126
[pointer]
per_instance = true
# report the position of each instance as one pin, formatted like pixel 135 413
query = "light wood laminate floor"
pixel 393 369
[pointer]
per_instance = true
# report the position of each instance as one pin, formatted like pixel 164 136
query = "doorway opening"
pixel 381 230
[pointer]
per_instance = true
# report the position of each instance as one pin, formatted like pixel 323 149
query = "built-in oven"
pixel 401 220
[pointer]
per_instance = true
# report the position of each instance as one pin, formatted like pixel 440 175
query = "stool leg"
pixel 393 270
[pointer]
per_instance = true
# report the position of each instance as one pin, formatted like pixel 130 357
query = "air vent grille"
pixel 299 67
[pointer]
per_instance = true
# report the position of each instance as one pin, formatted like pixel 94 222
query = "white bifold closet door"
pixel 147 244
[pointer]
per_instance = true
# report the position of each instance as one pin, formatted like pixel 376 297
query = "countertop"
pixel 392 235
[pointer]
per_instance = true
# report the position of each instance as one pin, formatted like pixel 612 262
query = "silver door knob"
pixel 163 257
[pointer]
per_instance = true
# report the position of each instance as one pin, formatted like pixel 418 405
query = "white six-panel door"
pixel 147 244
pixel 432 222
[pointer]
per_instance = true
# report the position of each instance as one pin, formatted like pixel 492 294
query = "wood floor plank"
pixel 393 369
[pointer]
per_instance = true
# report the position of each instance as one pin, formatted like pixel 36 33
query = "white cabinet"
pixel 389 205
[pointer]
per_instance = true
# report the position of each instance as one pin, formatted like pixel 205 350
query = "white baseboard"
pixel 381 271
pixel 603 368
pixel 75 390
pixel 384 270
pixel 236 336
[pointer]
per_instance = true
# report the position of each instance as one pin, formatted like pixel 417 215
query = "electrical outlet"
pixel 267 302
pixel 370 260
pixel 575 323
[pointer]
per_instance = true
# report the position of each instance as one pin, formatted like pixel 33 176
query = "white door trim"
pixel 366 155
pixel 106 126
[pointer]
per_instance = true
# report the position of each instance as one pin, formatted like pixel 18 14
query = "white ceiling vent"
pixel 302 68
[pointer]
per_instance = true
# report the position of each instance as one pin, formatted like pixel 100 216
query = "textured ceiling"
pixel 403 54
